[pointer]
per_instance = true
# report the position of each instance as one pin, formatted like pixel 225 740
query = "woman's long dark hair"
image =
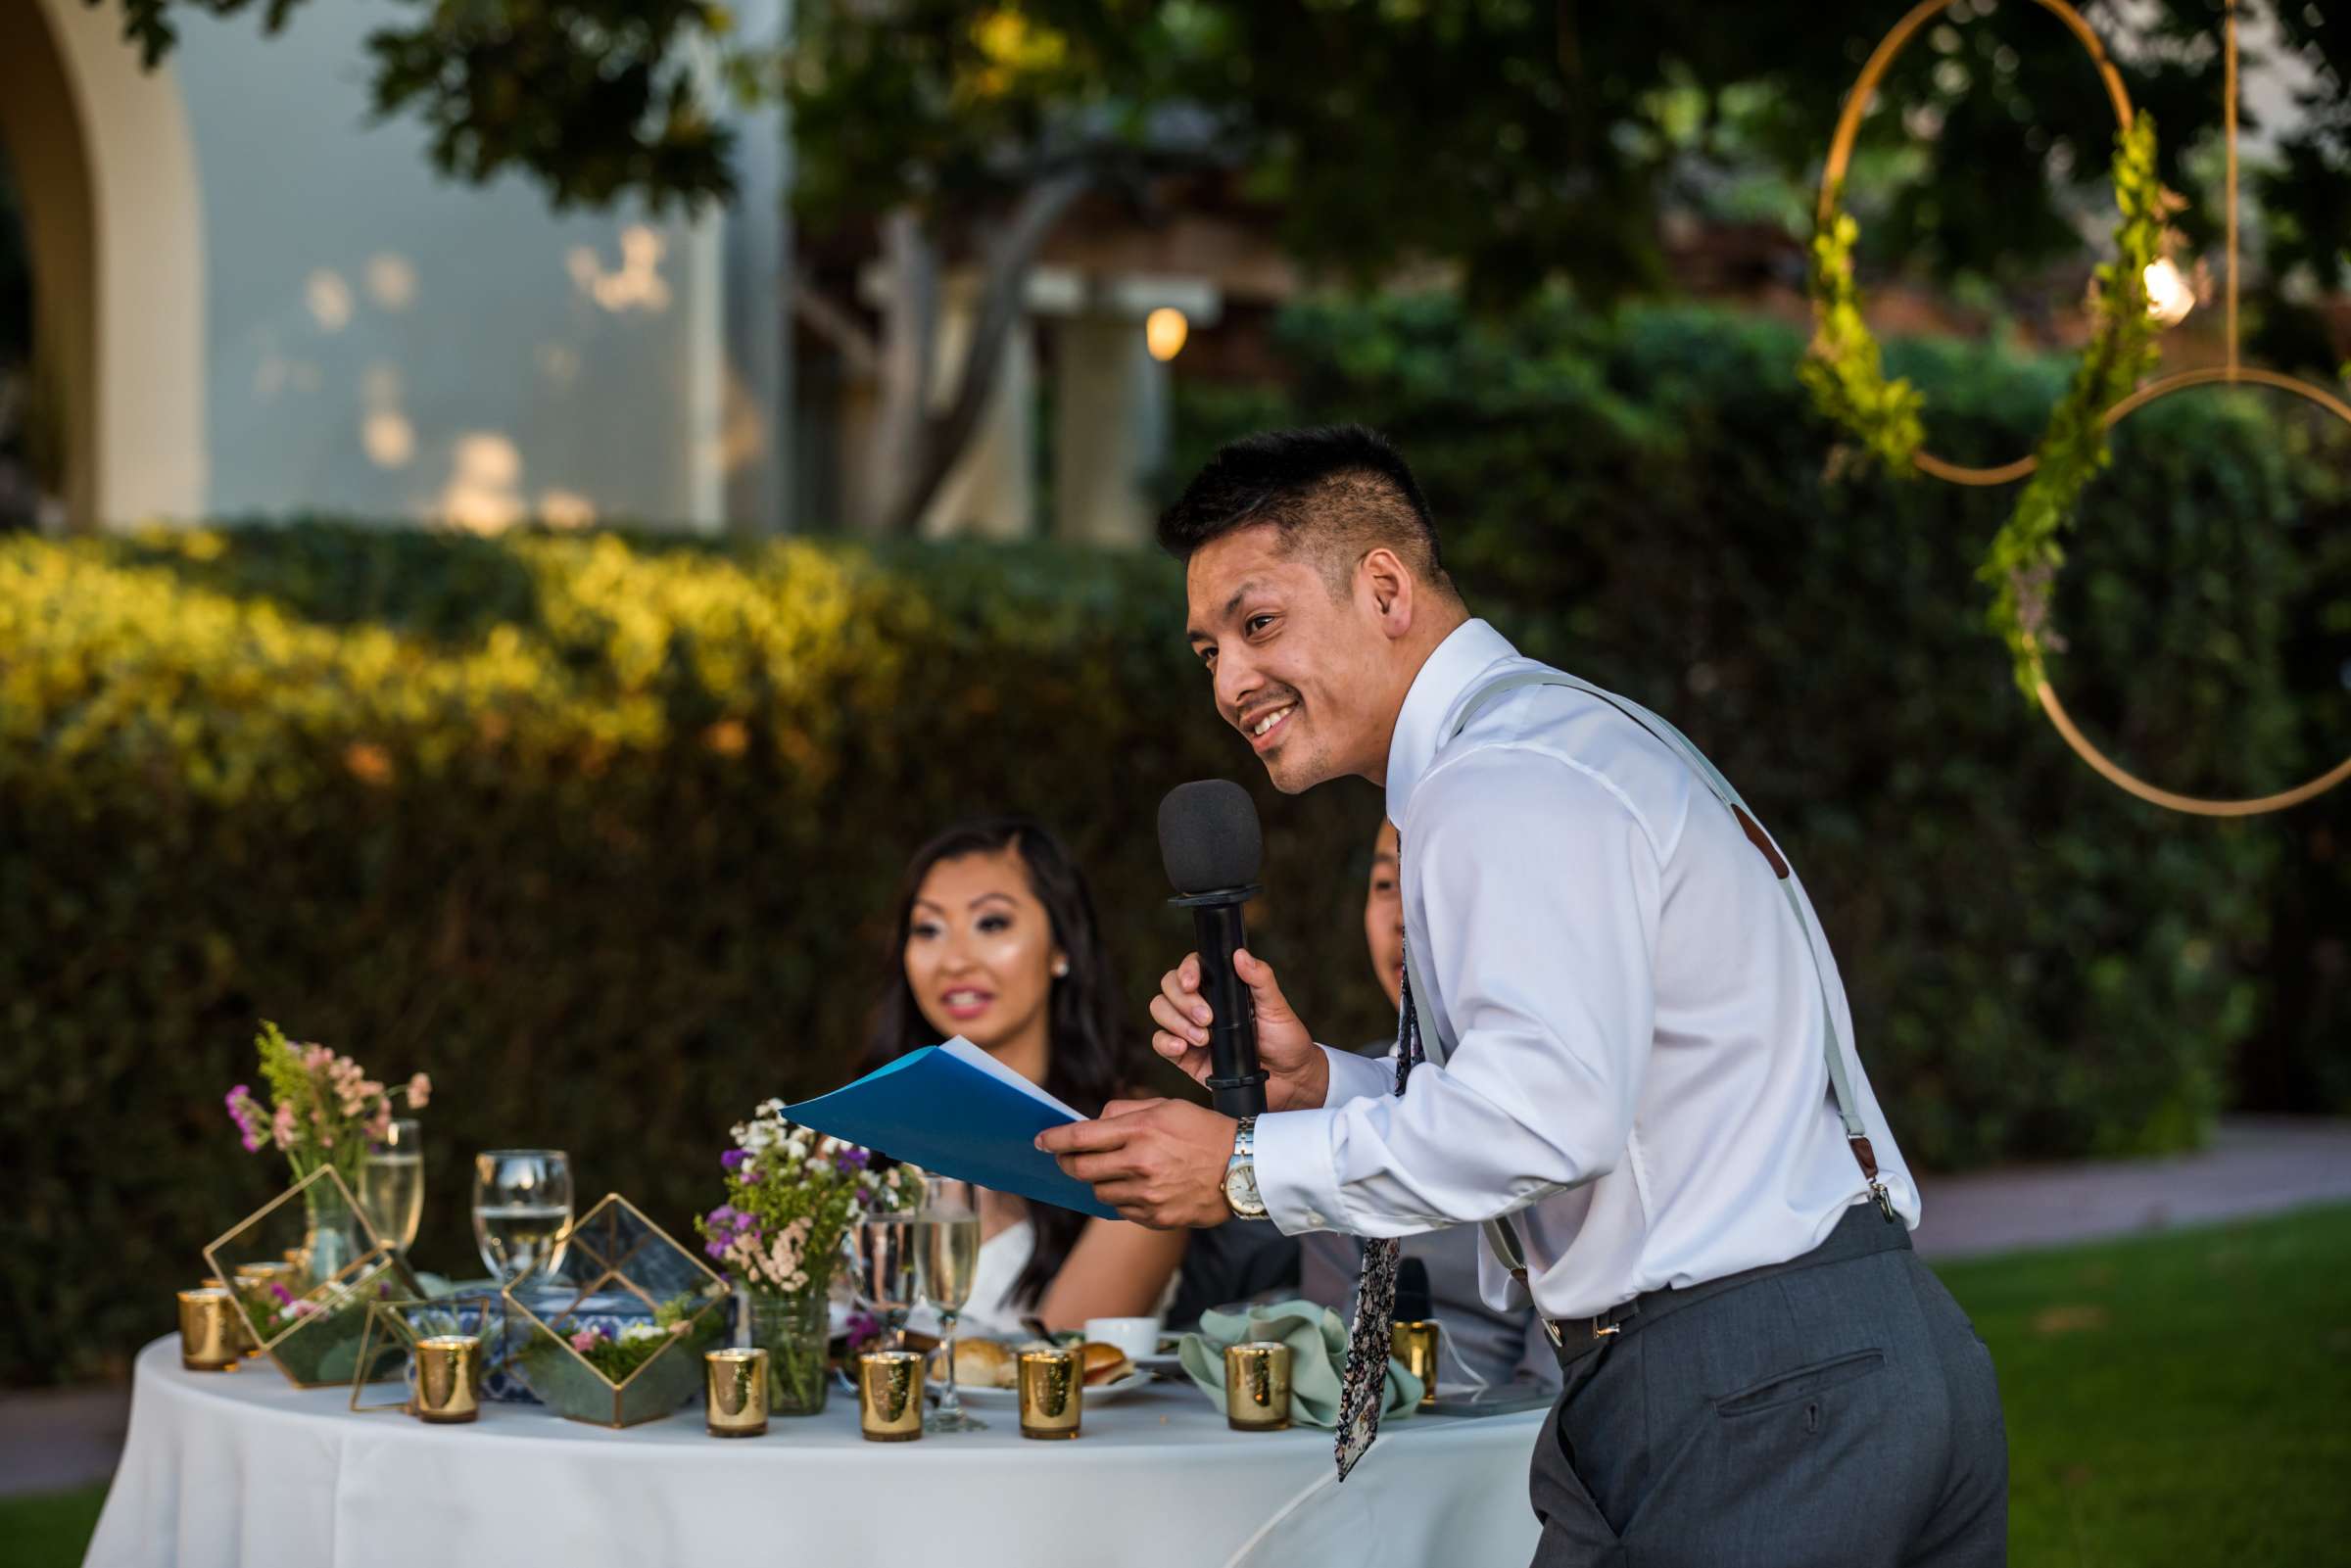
pixel 1090 1059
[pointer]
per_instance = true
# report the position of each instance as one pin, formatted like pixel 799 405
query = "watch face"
pixel 1240 1191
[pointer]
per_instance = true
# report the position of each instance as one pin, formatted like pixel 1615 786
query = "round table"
pixel 243 1468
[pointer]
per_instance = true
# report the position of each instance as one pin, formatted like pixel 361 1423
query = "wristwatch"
pixel 1240 1174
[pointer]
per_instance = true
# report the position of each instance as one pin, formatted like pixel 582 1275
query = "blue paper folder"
pixel 938 1110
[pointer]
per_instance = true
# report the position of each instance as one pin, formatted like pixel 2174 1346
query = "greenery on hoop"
pixel 2022 563
pixel 1843 371
pixel 1842 368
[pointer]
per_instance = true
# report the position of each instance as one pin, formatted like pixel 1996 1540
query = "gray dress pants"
pixel 1837 1409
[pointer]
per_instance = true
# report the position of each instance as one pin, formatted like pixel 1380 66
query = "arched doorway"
pixel 103 186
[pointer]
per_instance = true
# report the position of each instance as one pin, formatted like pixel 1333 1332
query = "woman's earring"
pixel 1061 969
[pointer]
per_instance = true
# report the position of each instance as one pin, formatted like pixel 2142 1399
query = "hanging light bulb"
pixel 1164 332
pixel 2170 295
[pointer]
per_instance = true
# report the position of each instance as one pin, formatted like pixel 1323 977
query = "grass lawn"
pixel 54 1528
pixel 2176 1398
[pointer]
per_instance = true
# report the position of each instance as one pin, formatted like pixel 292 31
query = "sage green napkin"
pixel 1318 1342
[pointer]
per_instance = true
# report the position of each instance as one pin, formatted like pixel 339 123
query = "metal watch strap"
pixel 1244 1153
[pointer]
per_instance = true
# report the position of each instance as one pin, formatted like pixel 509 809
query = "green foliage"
pixel 1525 142
pixel 1841 366
pixel 2025 555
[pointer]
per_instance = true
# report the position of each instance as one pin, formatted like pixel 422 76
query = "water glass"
pixel 392 1185
pixel 521 1209
pixel 946 1250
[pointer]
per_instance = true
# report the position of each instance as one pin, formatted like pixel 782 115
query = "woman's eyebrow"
pixel 984 897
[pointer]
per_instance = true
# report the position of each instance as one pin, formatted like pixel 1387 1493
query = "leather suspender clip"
pixel 1867 1158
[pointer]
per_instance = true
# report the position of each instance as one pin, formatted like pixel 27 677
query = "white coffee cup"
pixel 1136 1336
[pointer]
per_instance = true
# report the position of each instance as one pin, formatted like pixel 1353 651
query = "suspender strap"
pixel 1500 1234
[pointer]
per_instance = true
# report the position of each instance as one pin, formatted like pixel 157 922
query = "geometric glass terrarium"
pixel 304 1267
pixel 609 1325
pixel 398 1323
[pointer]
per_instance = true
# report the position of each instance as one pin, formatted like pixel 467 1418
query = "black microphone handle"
pixel 1237 1085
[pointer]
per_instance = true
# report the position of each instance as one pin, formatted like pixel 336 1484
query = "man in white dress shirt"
pixel 1639 1075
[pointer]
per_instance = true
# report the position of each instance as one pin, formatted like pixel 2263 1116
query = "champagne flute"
pixel 884 1248
pixel 948 1255
pixel 392 1185
pixel 521 1209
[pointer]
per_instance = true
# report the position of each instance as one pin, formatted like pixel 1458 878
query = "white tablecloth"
pixel 241 1468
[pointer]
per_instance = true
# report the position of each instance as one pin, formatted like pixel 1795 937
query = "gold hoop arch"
pixel 2106 767
pixel 1840 153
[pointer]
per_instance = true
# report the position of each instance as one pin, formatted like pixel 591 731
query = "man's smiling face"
pixel 1301 672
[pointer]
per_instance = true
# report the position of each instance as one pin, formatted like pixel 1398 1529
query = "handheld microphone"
pixel 1210 843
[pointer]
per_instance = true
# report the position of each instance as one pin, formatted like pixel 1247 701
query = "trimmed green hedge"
pixel 600 831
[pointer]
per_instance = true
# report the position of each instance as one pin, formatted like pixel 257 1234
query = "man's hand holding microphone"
pixel 1162 1163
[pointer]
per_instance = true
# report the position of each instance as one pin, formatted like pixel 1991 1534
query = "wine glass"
pixel 884 1248
pixel 946 1250
pixel 521 1209
pixel 392 1185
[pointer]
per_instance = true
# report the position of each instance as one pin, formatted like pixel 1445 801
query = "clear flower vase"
pixel 794 1328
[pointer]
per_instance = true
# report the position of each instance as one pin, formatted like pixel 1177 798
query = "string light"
pixel 1164 331
pixel 2170 295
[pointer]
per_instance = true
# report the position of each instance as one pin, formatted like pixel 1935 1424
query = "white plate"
pixel 1095 1393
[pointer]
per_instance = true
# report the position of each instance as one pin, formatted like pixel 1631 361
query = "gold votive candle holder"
pixel 1257 1386
pixel 1052 1385
pixel 449 1378
pixel 734 1393
pixel 212 1336
pixel 890 1395
pixel 245 1345
pixel 1415 1344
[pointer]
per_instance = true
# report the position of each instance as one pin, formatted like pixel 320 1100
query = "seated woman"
pixel 995 940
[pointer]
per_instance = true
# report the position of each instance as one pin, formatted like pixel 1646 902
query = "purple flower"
pixel 715 1247
pixel 285 1296
pixel 725 1214
pixel 734 1158
pixel 852 1158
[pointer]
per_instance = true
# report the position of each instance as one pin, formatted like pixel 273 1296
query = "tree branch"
pixel 837 325
pixel 1001 300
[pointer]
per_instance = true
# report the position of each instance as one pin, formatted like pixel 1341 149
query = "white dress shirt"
pixel 1638 1070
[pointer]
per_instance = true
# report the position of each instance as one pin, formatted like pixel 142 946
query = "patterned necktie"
pixel 1364 1386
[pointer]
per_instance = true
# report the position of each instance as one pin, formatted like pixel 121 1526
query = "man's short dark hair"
pixel 1337 491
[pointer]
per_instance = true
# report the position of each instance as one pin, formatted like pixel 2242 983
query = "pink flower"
pixel 583 1340
pixel 420 1089
pixel 281 1128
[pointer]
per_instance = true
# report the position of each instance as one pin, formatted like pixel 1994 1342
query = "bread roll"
pixel 1104 1364
pixel 983 1363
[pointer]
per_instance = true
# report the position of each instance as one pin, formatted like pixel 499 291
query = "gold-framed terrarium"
pixel 399 1322
pixel 303 1268
pixel 609 1325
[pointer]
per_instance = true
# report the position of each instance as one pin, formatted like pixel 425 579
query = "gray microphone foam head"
pixel 1208 836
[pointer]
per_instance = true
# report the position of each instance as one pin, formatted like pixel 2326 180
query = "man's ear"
pixel 1389 586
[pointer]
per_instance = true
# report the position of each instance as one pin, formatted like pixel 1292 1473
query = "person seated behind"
pixel 1249 1259
pixel 995 940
